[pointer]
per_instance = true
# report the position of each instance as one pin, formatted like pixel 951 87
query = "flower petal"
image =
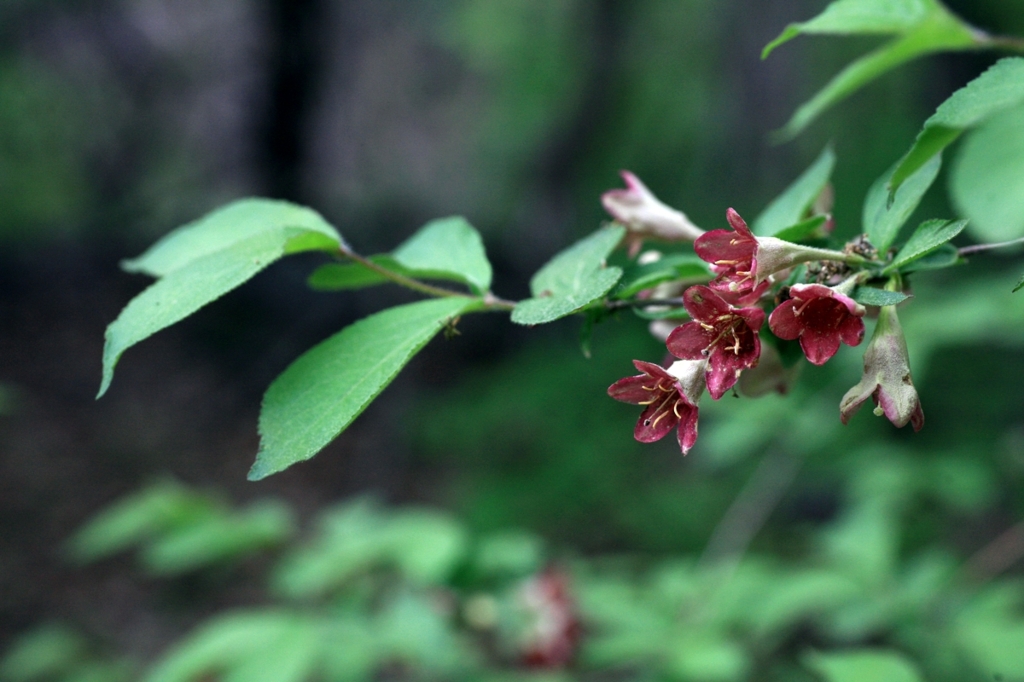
pixel 631 390
pixel 688 341
pixel 655 423
pixel 703 304
pixel 784 322
pixel 819 346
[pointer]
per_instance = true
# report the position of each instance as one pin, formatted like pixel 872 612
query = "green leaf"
pixel 803 230
pixel 42 653
pixel 845 17
pixel 1019 286
pixel 237 222
pixel 515 553
pixel 866 665
pixel 671 267
pixel 708 656
pixel 882 221
pixel 572 280
pixel 928 237
pixel 1001 87
pixel 341 276
pixel 246 646
pixel 942 32
pixel 218 538
pixel 921 27
pixel 351 539
pixel 987 179
pixel 320 394
pixel 137 518
pixel 193 283
pixel 790 207
pixel 450 248
pixel 873 296
pixel 942 257
pixel 426 545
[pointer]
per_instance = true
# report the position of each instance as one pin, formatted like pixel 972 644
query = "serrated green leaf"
pixel 573 279
pixel 790 207
pixel 451 249
pixel 881 220
pixel 237 222
pixel 987 178
pixel 872 296
pixel 320 394
pixel 671 267
pixel 232 642
pixel 866 665
pixel 928 237
pixel 1001 87
pixel 943 257
pixel 1019 286
pixel 846 17
pixel 188 287
pixel 137 518
pixel 940 32
pixel 220 537
pixel 802 230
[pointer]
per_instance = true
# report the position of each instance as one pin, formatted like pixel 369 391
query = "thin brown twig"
pixel 490 301
pixel 985 247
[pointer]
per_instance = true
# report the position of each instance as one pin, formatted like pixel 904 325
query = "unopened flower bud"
pixel 645 216
pixel 886 377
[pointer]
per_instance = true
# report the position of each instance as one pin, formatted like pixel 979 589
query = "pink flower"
pixel 886 377
pixel 733 257
pixel 724 335
pixel 669 398
pixel 645 216
pixel 821 318
pixel 552 629
pixel 743 261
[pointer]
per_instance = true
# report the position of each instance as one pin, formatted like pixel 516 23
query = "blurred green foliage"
pixel 412 594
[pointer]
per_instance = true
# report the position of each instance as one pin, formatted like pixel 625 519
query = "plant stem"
pixel 985 247
pixel 490 301
pixel 643 303
pixel 1005 42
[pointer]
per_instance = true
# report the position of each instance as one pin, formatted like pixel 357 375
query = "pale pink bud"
pixel 644 215
pixel 886 377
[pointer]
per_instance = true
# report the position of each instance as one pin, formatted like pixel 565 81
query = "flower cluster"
pixel 721 342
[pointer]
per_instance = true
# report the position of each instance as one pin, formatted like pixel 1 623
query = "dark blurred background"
pixel 122 120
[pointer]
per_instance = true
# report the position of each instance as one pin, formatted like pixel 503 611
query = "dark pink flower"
pixel 669 397
pixel 724 335
pixel 743 262
pixel 821 318
pixel 886 377
pixel 733 257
